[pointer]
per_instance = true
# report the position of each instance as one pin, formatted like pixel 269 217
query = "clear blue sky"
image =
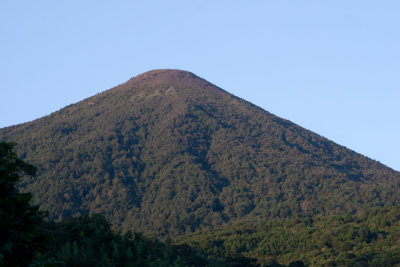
pixel 330 66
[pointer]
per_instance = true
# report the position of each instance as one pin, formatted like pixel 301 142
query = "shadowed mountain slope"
pixel 167 152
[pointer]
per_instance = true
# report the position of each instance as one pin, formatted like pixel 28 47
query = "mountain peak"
pixel 165 73
pixel 171 77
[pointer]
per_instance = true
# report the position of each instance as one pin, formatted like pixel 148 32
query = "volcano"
pixel 168 152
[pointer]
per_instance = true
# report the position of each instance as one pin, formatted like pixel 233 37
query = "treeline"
pixel 369 239
pixel 89 241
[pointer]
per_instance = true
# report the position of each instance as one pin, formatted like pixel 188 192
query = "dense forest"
pixel 369 239
pixel 26 240
pixel 89 241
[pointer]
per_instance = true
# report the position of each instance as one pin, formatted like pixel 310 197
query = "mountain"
pixel 168 152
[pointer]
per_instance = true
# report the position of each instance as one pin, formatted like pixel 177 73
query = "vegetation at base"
pixel 20 238
pixel 26 240
pixel 89 241
pixel 369 239
pixel 168 153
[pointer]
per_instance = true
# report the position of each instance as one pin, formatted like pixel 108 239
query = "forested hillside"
pixel 26 240
pixel 369 239
pixel 89 241
pixel 168 153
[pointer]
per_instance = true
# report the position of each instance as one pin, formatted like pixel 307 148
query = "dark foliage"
pixel 25 240
pixel 20 238
pixel 89 241
pixel 369 239
pixel 169 153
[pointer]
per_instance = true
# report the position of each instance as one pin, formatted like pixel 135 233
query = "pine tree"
pixel 20 238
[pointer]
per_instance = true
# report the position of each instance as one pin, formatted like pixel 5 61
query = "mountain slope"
pixel 168 152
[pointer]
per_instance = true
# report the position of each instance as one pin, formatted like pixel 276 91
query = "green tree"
pixel 20 238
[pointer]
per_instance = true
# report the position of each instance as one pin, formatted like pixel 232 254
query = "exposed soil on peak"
pixel 169 77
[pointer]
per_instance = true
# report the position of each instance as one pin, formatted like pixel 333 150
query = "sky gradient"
pixel 332 67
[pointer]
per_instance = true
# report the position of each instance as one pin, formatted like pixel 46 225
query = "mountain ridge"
pixel 167 152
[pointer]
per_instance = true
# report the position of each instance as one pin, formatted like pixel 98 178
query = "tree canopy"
pixel 20 237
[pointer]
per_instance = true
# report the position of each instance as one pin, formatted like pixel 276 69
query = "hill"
pixel 169 153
